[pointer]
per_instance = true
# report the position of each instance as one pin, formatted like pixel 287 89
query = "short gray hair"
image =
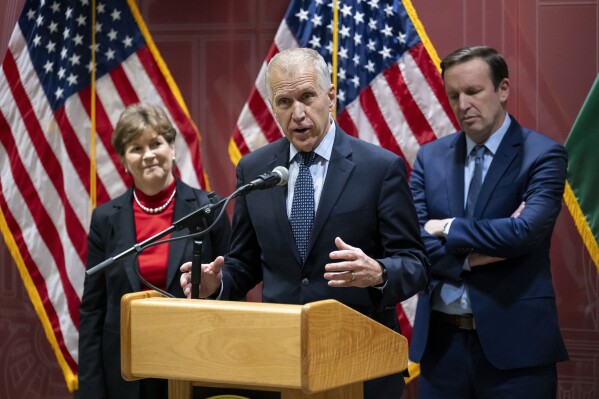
pixel 293 58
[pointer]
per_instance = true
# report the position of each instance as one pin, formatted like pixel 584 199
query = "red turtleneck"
pixel 153 261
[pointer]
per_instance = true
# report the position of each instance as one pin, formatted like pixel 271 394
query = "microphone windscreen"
pixel 284 173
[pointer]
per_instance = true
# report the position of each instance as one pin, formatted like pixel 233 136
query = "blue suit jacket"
pixel 513 300
pixel 365 200
pixel 112 231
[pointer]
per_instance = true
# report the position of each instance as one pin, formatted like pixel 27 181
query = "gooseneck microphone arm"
pixel 278 176
pixel 188 221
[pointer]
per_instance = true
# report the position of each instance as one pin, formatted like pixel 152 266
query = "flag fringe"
pixel 414 371
pixel 166 73
pixel 161 64
pixel 581 224
pixel 70 378
pixel 93 167
pixel 234 152
pixel 428 45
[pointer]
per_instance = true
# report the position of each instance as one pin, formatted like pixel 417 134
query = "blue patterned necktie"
pixel 477 179
pixel 302 207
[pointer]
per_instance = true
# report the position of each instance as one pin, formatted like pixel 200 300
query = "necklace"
pixel 154 210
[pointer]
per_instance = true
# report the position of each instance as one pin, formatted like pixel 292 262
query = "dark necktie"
pixel 302 207
pixel 477 179
pixel 451 292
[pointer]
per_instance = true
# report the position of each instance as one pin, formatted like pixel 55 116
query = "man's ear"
pixel 332 94
pixel 504 89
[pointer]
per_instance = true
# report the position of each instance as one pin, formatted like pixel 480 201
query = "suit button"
pixel 305 282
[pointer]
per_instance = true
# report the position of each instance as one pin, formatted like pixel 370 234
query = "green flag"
pixel 582 193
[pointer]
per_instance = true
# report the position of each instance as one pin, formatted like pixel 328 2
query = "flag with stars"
pixel 389 90
pixel 51 112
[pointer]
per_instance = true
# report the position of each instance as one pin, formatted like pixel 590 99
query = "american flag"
pixel 48 166
pixel 389 90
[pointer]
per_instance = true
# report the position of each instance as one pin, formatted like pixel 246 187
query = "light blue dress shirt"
pixel 318 169
pixel 462 305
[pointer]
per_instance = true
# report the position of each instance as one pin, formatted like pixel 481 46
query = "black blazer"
pixel 365 200
pixel 112 231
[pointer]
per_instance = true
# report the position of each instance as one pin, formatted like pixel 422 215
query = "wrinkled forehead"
pixel 300 77
pixel 475 67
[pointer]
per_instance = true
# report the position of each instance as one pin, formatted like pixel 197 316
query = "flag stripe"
pixel 42 222
pixel 79 157
pixel 123 87
pixel 187 130
pixel 361 123
pixel 77 154
pixel 284 39
pixel 430 73
pixel 263 117
pixel 404 323
pixel 34 274
pixel 44 115
pixel 50 164
pixel 347 123
pixel 374 115
pixel 106 169
pixel 394 116
pixel 104 133
pixel 251 132
pixel 111 95
pixel 240 141
pixel 144 87
pixel 417 122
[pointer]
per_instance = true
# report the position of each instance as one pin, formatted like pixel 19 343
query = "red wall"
pixel 214 49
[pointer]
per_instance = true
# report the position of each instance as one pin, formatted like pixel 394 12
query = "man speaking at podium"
pixel 345 226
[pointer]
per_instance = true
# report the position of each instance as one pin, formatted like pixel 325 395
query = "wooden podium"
pixel 321 350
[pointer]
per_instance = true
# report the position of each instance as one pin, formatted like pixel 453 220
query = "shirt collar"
pixel 494 140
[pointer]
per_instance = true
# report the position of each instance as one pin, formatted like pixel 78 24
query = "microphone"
pixel 277 177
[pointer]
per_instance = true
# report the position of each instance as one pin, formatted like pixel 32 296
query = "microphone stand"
pixel 189 221
pixel 196 269
pixel 192 221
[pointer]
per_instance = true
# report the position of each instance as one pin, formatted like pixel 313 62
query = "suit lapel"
pixel 339 170
pixel 124 222
pixel 185 203
pixel 506 152
pixel 455 161
pixel 124 225
pixel 279 198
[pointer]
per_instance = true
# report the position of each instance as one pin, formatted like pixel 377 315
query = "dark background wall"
pixel 214 49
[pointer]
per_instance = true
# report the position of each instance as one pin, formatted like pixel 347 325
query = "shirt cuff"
pixel 382 286
pixel 215 296
pixel 447 226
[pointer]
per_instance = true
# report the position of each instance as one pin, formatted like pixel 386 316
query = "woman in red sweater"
pixel 144 138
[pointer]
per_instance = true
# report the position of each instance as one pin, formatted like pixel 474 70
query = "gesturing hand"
pixel 210 281
pixel 355 268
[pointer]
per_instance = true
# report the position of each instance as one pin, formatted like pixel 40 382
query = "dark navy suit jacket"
pixel 513 301
pixel 112 231
pixel 365 201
